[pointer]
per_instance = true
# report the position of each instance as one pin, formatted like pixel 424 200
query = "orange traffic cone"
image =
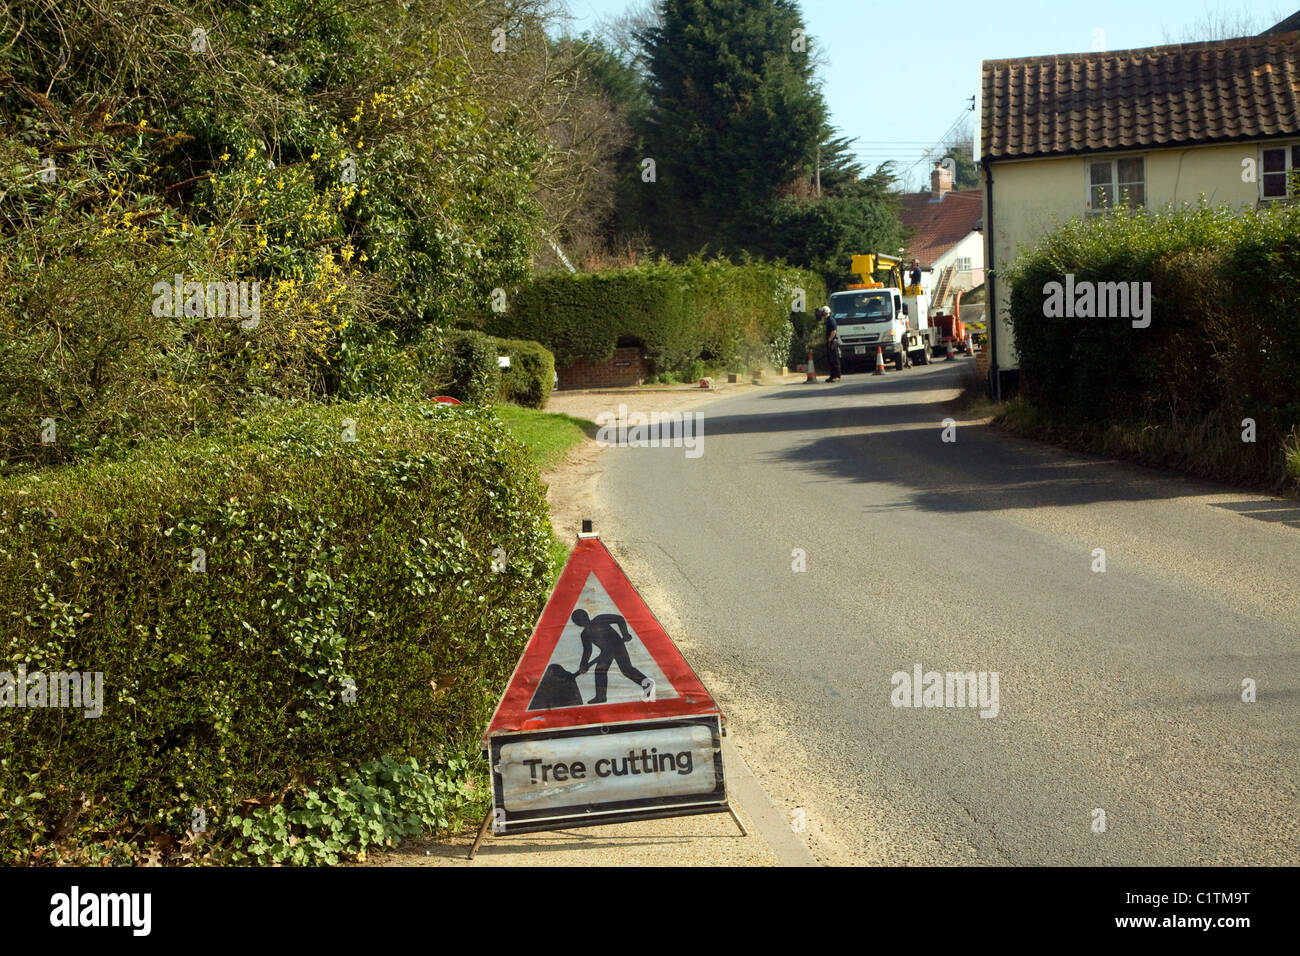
pixel 812 372
pixel 880 362
pixel 950 354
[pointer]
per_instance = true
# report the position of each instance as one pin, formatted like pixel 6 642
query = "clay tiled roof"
pixel 1286 26
pixel 940 225
pixel 1248 88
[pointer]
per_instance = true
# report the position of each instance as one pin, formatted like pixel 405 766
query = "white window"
pixel 1277 163
pixel 1114 181
pixel 963 265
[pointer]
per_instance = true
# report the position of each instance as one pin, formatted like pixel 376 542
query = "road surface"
pixel 1120 735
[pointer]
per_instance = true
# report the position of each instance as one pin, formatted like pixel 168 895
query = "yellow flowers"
pixel 252 151
pixel 224 157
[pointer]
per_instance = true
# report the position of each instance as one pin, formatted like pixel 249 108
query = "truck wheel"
pixel 923 356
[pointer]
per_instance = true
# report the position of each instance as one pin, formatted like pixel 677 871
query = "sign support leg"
pixel 482 832
pixel 743 831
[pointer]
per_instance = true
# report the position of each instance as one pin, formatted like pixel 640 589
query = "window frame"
pixel 1115 185
pixel 1291 152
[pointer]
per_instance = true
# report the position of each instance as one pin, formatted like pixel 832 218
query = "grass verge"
pixel 547 435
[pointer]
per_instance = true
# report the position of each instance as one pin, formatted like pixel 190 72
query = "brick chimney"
pixel 940 182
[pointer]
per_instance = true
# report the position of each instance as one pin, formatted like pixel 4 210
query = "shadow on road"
pixel 1283 512
pixel 984 469
pixel 866 383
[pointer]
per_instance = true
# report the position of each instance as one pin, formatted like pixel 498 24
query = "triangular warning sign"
pixel 632 671
pixel 618 665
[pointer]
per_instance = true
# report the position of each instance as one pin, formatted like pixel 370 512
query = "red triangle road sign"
pixel 597 656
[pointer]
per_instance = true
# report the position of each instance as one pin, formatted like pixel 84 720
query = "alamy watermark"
pixel 1098 300
pixel 657 430
pixel 83 689
pixel 209 300
pixel 946 689
pixel 75 908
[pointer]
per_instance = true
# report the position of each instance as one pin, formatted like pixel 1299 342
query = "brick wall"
pixel 627 367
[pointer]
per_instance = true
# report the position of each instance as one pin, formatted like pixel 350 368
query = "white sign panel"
pixel 601 774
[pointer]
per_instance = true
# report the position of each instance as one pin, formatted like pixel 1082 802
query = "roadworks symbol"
pixel 595 639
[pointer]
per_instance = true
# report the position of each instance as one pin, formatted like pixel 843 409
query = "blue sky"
pixel 925 57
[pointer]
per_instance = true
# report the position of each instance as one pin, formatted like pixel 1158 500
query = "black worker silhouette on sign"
pixel 559 687
pixel 599 631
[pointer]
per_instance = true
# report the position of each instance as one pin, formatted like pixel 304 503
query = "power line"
pixel 955 123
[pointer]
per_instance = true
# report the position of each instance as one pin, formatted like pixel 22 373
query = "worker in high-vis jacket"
pixel 832 342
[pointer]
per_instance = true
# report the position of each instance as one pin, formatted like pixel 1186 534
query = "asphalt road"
pixel 1118 691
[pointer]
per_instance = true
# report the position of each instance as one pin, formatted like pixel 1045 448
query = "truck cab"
pixel 882 318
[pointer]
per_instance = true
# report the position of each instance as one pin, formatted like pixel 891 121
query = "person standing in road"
pixel 832 342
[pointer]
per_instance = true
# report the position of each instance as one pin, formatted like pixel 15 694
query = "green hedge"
pixel 460 363
pixel 724 314
pixel 472 365
pixel 531 375
pixel 329 563
pixel 1223 344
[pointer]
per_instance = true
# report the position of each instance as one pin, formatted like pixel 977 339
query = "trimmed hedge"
pixel 724 314
pixel 1223 343
pixel 531 375
pixel 472 366
pixel 327 564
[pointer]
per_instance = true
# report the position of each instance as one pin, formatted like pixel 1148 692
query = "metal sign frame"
pixel 513 722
